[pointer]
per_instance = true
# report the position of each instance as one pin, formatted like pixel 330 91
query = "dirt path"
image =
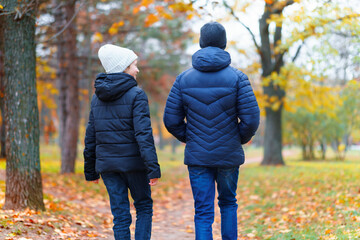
pixel 177 217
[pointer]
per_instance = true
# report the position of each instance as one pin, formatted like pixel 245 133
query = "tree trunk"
pixel 23 177
pixel 2 91
pixel 68 82
pixel 311 150
pixel 273 138
pixel 323 149
pixel 88 66
pixel 154 113
pixel 161 138
pixel 303 151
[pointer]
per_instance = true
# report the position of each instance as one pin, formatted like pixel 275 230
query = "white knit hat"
pixel 115 59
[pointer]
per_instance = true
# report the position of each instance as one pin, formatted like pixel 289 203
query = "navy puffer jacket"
pixel 220 109
pixel 119 134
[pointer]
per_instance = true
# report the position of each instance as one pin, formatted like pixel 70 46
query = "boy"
pixel 221 114
pixel 119 144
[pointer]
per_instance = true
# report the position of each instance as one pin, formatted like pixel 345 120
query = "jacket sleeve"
pixel 174 114
pixel 144 136
pixel 90 151
pixel 247 109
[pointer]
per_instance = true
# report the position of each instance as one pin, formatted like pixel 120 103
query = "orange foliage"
pixel 146 3
pixel 151 19
pixel 136 9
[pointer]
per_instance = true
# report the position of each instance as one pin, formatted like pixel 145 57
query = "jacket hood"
pixel 211 59
pixel 110 87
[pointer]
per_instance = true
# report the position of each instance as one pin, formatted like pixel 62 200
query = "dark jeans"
pixel 202 181
pixel 117 185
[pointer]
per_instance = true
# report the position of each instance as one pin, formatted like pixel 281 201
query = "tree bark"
pixel 323 149
pixel 2 91
pixel 23 177
pixel 273 138
pixel 68 82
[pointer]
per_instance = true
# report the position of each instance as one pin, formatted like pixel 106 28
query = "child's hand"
pixel 153 181
pixel 95 181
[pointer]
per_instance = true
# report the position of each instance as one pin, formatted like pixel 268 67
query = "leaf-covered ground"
pixel 303 200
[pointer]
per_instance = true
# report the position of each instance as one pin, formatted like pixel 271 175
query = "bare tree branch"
pixel 238 19
pixel 298 51
pixel 346 35
pixel 67 24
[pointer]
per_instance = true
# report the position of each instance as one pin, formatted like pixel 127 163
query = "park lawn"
pixel 302 200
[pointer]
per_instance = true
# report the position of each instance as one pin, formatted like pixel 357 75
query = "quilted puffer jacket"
pixel 220 109
pixel 119 135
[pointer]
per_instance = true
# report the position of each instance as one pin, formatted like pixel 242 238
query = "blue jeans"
pixel 117 185
pixel 202 181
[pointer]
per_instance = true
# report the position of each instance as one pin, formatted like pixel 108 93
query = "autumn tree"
pixel 274 52
pixel 23 177
pixel 310 110
pixel 2 90
pixel 68 82
pixel 320 106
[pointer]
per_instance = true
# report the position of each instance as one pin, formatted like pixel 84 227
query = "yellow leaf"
pixel 98 37
pixel 151 19
pixel 341 147
pixel 120 24
pixel 47 69
pixel 289 108
pixel 181 7
pixel 274 75
pixel 53 75
pixel 231 43
pixel 273 99
pixel 166 16
pixel 190 16
pixel 269 1
pixel 328 231
pixel 113 31
pixel 242 51
pixel 276 106
pixel 1 7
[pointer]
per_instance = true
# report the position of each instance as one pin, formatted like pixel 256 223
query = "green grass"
pixel 302 200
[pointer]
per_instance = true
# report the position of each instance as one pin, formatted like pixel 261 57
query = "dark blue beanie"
pixel 213 34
